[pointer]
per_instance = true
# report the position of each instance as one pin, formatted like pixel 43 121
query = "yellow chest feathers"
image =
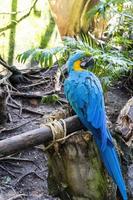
pixel 76 66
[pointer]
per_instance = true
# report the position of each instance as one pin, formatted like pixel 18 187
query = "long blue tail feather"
pixel 110 160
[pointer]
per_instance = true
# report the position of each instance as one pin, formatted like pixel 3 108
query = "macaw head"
pixel 79 61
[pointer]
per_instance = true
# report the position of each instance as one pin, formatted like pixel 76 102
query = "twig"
pixel 32 111
pixel 17 196
pixel 57 80
pixel 31 71
pixel 32 95
pixel 62 100
pixel 14 23
pixel 23 176
pixel 34 84
pixel 9 98
pixel 10 187
pixel 2 70
pixel 9 117
pixel 26 110
pixel 6 170
pixel 18 115
pixel 9 13
pixel 14 128
pixel 34 76
pixel 37 96
pixel 4 64
pixel 101 42
pixel 16 159
pixel 12 88
pixel 11 161
pixel 13 13
pixel 12 164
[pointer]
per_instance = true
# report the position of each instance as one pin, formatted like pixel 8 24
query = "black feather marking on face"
pixel 87 62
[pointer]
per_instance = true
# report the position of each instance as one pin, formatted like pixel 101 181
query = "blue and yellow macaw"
pixel 84 93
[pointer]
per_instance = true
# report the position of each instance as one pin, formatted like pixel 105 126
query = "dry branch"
pixel 18 196
pixel 26 110
pixel 32 95
pixel 35 137
pixel 4 64
pixel 18 126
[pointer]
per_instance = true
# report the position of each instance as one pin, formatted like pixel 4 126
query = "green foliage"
pixel 45 57
pixel 120 28
pixel 50 99
pixel 110 64
pixel 103 6
pixel 113 57
pixel 48 56
pixel 119 14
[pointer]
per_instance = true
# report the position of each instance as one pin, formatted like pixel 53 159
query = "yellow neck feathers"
pixel 76 66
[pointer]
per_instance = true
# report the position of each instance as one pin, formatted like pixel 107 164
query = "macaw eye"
pixel 87 62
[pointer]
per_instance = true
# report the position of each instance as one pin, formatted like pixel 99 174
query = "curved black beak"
pixel 87 62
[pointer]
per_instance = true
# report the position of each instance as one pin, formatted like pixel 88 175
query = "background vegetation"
pixel 34 29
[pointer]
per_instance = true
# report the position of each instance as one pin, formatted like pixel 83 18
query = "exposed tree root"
pixel 32 95
pixel 16 127
pixel 17 196
pixel 35 84
pixel 10 100
pixel 29 173
pixel 39 96
pixel 6 170
pixel 16 76
pixel 26 110
pixel 16 159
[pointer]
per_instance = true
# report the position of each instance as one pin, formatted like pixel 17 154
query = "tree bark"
pixel 12 33
pixel 71 16
pixel 76 171
pixel 45 38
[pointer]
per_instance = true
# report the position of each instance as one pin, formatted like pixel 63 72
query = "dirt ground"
pixel 24 175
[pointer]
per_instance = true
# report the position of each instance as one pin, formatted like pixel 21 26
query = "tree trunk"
pixel 12 33
pixel 71 17
pixel 45 38
pixel 76 171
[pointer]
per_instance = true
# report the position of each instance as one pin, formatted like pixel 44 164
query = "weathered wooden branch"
pixel 35 137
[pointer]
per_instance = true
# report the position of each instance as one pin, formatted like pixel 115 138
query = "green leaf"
pixel 50 99
pixel 24 56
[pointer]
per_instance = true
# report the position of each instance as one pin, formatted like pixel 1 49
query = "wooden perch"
pixel 35 137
